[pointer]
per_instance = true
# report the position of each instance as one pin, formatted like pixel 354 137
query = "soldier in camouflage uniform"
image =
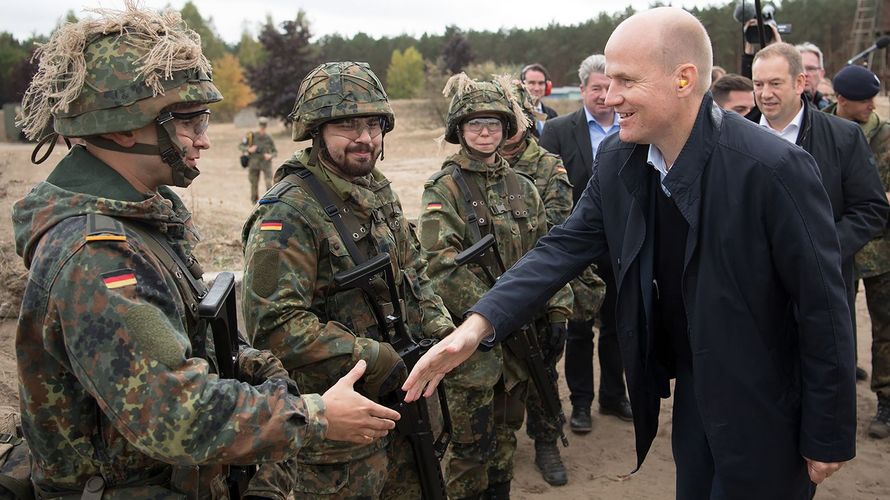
pixel 113 392
pixel 293 249
pixel 526 156
pixel 260 149
pixel 856 88
pixel 487 393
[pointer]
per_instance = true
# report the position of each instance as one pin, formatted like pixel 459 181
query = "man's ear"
pixel 124 139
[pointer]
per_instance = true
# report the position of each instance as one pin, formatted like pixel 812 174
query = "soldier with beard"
pixel 330 210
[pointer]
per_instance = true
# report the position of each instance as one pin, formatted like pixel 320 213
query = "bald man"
pixel 728 278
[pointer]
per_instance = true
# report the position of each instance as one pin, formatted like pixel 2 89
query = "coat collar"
pixel 683 180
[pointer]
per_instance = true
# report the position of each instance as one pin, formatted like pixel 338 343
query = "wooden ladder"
pixel 864 27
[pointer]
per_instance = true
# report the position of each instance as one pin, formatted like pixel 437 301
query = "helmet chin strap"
pixel 168 148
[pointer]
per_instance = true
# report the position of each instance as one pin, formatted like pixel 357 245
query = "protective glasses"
pixel 191 124
pixel 353 128
pixel 476 125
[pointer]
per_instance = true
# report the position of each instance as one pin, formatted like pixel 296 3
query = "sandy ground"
pixel 598 462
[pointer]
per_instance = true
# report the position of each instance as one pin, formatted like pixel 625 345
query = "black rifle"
pixel 218 309
pixel 524 343
pixel 414 423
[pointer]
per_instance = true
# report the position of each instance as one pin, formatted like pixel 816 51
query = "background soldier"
pixel 525 156
pixel 113 390
pixel 856 88
pixel 487 394
pixel 293 250
pixel 260 149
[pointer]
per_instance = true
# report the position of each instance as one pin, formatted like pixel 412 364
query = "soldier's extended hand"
pixel 353 417
pixel 445 356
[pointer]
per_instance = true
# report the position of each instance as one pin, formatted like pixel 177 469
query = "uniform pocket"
pixel 321 479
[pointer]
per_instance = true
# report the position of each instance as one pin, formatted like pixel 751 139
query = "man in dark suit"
pixel 575 138
pixel 536 81
pixel 728 273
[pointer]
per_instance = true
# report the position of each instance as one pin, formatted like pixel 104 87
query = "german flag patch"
pixel 271 225
pixel 119 278
pixel 434 206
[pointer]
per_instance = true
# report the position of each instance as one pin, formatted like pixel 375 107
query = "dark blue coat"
pixel 769 327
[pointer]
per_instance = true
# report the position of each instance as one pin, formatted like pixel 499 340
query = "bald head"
pixel 672 37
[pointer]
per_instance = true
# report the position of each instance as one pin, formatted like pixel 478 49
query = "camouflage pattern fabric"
pixel 338 90
pixel 112 101
pixel 474 387
pixel 257 163
pixel 873 262
pixel 107 379
pixel 292 251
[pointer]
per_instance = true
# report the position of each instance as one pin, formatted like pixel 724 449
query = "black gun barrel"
pixel 524 343
pixel 219 310
pixel 415 422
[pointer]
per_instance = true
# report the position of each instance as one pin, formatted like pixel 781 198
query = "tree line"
pixel 264 70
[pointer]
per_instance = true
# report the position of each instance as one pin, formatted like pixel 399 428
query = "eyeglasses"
pixel 353 128
pixel 191 124
pixel 476 125
pixel 811 69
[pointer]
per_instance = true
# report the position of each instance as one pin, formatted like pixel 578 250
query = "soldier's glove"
pixel 257 366
pixel 386 371
pixel 555 342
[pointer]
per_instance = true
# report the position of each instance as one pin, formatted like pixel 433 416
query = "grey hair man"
pixel 814 69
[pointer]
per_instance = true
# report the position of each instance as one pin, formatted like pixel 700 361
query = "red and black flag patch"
pixel 119 278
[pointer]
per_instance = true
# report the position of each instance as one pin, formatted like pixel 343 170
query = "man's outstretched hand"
pixel 353 417
pixel 446 355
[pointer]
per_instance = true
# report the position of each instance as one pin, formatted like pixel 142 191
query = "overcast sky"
pixel 347 17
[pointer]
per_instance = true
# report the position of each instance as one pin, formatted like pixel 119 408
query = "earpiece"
pixel 684 83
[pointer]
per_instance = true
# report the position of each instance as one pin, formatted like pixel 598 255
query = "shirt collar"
pixel 794 126
pixel 591 119
pixel 656 160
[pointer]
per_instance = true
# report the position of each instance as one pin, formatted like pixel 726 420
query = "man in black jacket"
pixel 575 138
pixel 728 276
pixel 848 168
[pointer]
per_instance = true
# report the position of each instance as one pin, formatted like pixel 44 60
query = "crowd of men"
pixel 719 252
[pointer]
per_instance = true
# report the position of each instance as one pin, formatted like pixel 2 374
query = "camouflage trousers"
pixel 877 298
pixel 253 175
pixel 539 425
pixel 484 417
pixel 387 473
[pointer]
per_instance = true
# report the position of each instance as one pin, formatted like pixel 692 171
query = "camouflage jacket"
pixel 444 232
pixel 264 145
pixel 107 380
pixel 551 180
pixel 292 251
pixel 874 258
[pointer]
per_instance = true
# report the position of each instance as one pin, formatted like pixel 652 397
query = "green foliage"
pixel 249 51
pixel 405 75
pixel 290 58
pixel 15 67
pixel 212 45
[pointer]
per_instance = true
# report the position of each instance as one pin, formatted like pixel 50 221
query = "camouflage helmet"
pixel 116 73
pixel 528 105
pixel 337 90
pixel 475 98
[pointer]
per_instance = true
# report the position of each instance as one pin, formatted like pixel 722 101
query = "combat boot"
pixel 879 428
pixel 550 464
pixel 497 491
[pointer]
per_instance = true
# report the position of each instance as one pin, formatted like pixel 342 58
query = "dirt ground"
pixel 598 463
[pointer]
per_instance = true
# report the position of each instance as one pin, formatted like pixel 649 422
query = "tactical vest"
pixel 356 237
pixel 479 212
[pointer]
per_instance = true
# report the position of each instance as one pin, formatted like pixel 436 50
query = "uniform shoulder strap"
pixel 333 212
